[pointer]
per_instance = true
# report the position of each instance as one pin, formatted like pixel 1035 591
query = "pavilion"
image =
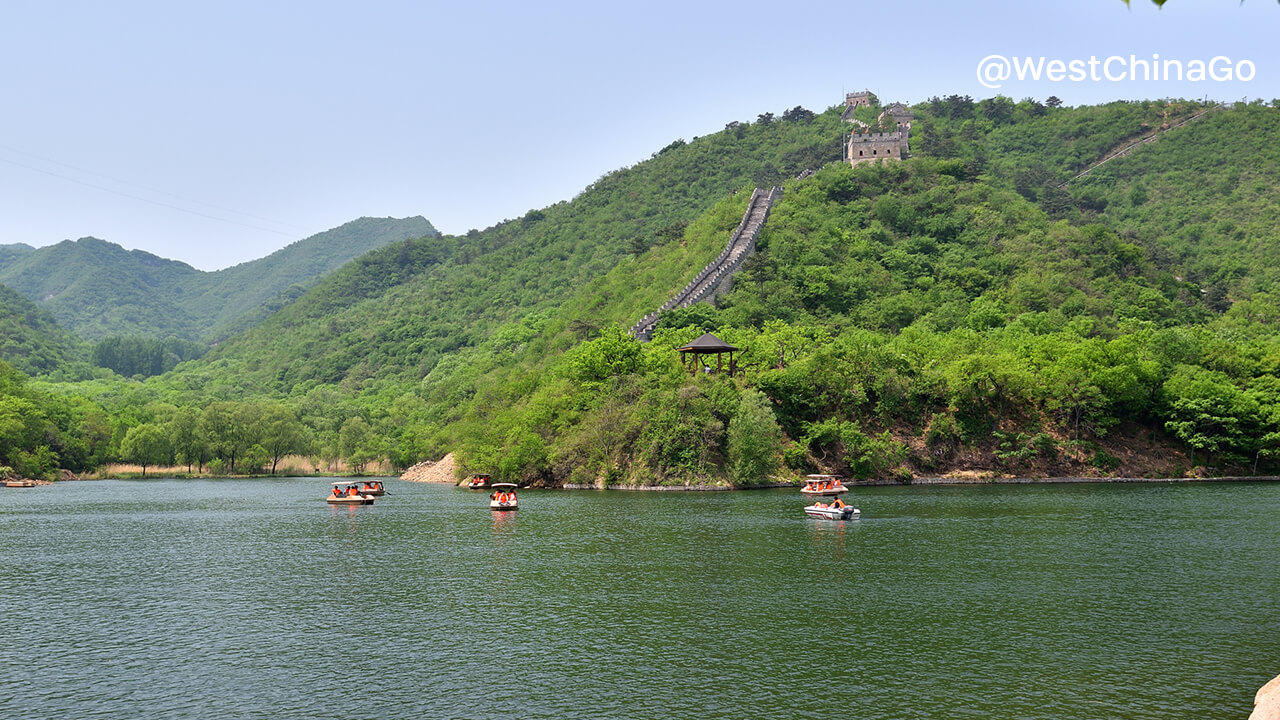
pixel 708 344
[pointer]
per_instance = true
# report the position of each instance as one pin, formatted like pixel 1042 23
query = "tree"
pixel 798 114
pixel 255 456
pixel 1208 412
pixel 613 354
pixel 355 441
pixel 146 444
pixel 230 428
pixel 755 440
pixel 281 433
pixel 188 443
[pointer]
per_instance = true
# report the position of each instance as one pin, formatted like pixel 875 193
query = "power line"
pixel 145 199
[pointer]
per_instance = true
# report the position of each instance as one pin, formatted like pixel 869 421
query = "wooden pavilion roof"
pixel 708 344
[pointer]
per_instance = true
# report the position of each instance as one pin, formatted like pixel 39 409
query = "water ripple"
pixel 234 599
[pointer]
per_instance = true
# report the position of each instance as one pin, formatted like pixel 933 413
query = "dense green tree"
pixel 356 443
pixel 189 443
pixel 281 434
pixel 754 440
pixel 147 444
pixel 1207 411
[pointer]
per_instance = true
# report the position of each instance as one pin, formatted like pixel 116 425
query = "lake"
pixel 255 599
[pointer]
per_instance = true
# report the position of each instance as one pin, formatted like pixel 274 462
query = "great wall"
pixel 1129 147
pixel 714 278
pixel 862 145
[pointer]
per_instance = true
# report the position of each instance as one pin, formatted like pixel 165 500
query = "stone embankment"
pixel 713 278
pixel 1266 704
pixel 432 471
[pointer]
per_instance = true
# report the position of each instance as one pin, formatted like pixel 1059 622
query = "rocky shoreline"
pixel 432 471
pixel 943 481
pixel 1266 704
pixel 1061 480
pixel 443 471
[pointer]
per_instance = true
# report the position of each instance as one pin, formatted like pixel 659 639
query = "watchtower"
pixel 900 116
pixel 869 146
pixel 861 98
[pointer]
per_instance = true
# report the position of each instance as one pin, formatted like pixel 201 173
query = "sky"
pixel 217 133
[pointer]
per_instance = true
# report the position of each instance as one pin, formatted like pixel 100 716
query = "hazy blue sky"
pixel 215 133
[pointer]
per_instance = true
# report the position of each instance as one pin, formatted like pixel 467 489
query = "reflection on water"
pixel 504 521
pixel 215 599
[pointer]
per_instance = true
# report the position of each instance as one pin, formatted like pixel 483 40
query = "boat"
pixel 818 485
pixel 478 482
pixel 346 492
pixel 835 511
pixel 372 487
pixel 19 483
pixel 503 497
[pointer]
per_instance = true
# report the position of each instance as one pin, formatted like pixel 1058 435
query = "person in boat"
pixel 337 492
pixel 352 491
pixel 838 504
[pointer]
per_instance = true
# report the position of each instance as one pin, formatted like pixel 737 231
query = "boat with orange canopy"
pixel 503 497
pixel 819 485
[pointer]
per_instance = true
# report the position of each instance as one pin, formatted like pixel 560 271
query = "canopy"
pixel 503 485
pixel 708 344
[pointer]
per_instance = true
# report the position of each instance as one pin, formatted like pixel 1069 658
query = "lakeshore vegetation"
pixel 975 308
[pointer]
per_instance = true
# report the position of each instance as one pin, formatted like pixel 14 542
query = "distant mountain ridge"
pixel 96 288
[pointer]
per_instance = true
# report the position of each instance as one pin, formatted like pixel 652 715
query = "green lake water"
pixel 255 599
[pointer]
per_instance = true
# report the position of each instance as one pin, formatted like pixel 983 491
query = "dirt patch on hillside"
pixel 432 471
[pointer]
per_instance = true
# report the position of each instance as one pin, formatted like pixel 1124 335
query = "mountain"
pixel 982 307
pixel 98 289
pixel 397 311
pixel 9 253
pixel 242 295
pixel 30 339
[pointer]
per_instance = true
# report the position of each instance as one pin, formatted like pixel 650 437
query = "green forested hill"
pixel 968 309
pixel 30 339
pixel 939 314
pixel 244 294
pixel 396 312
pixel 1204 202
pixel 98 289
